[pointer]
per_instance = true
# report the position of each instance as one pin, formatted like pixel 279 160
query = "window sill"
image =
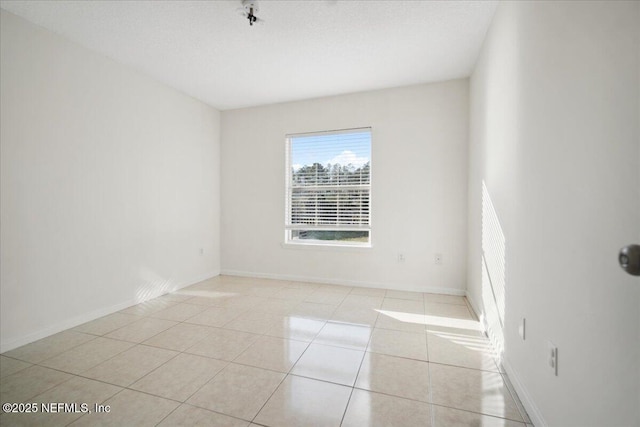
pixel 326 247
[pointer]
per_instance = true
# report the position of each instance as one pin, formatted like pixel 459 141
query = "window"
pixel 329 188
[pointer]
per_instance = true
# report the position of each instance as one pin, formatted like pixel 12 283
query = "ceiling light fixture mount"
pixel 249 10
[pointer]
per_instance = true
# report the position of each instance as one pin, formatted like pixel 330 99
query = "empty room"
pixel 320 213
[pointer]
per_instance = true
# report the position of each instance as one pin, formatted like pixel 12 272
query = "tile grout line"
pixel 128 387
pixel 145 375
pixel 168 415
pixel 478 413
pixel 143 343
pixel 432 412
pixel 264 334
pixel 427 402
pixel 93 337
pixel 286 375
pixel 355 381
pixel 269 398
pixel 103 401
pixel 521 409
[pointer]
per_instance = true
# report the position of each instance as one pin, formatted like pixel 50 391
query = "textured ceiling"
pixel 304 49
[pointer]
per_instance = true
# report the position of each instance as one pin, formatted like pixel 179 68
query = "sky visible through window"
pixel 346 148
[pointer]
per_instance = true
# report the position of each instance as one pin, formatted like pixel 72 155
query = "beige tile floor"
pixel 234 351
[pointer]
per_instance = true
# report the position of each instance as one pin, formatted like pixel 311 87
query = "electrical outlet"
pixel 401 257
pixel 552 357
pixel 437 259
pixel 522 328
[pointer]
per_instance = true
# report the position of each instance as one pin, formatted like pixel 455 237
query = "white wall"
pixel 110 185
pixel 554 135
pixel 419 178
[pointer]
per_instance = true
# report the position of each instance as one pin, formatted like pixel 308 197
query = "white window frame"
pixel 289 227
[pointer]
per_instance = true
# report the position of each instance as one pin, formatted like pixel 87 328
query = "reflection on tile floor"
pixel 235 351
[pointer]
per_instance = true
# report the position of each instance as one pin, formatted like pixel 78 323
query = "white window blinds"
pixel 329 187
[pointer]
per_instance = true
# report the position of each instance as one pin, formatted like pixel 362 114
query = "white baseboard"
pixel 194 280
pixel 528 403
pixel 95 314
pixel 64 325
pixel 475 307
pixel 532 409
pixel 344 282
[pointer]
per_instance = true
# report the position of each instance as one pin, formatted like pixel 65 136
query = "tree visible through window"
pixel 329 188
